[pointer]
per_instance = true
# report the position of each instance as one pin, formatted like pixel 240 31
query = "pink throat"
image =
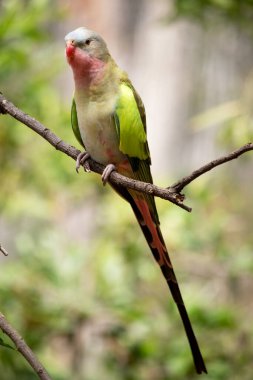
pixel 87 70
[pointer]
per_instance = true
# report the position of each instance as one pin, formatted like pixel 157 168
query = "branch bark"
pixel 116 178
pixel 172 193
pixel 23 348
pixel 3 250
pixel 180 185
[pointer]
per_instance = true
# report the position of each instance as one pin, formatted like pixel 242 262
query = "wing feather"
pixel 130 121
pixel 74 123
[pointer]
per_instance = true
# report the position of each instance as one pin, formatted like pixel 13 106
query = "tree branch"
pixel 116 178
pixel 180 185
pixel 3 250
pixel 172 193
pixel 23 348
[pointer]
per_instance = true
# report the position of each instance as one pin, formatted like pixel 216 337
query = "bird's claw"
pixel 107 172
pixel 82 161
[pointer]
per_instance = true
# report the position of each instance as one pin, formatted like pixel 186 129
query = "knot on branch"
pixel 2 110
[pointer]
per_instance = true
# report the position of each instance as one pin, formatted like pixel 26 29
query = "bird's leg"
pixel 82 160
pixel 107 172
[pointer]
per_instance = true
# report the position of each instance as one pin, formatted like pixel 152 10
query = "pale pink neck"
pixel 87 71
pixel 86 77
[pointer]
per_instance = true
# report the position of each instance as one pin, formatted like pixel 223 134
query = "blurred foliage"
pixel 235 119
pixel 235 116
pixel 28 70
pixel 80 284
pixel 238 13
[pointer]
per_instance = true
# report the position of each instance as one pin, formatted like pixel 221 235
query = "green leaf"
pixel 2 343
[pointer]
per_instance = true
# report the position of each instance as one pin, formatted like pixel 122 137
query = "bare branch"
pixel 116 178
pixel 3 251
pixel 180 185
pixel 23 348
pixel 172 193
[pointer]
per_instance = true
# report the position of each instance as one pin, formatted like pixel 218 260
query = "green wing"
pixel 74 123
pixel 130 121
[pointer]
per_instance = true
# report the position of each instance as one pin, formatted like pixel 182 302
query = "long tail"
pixel 154 238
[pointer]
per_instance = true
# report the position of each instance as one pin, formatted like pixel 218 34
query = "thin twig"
pixel 23 348
pixel 3 251
pixel 180 185
pixel 116 178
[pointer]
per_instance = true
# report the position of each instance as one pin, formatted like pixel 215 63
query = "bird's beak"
pixel 70 48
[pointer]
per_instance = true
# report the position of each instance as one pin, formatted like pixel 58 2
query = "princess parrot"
pixel 108 119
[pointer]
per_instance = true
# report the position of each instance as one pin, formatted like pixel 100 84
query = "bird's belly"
pixel 100 138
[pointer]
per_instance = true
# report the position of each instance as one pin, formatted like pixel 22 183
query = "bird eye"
pixel 88 41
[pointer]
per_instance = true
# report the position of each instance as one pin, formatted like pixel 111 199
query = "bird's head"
pixel 83 45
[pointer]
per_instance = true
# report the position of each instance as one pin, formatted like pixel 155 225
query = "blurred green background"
pixel 79 283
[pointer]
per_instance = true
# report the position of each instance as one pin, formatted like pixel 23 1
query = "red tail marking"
pixel 145 212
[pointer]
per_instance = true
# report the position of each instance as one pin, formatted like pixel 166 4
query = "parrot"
pixel 109 121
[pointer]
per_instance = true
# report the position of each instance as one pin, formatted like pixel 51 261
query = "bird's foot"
pixel 107 172
pixel 82 160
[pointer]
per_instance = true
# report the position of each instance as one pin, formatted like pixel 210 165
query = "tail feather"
pixel 161 256
pixel 175 291
pixel 197 356
pixel 154 238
